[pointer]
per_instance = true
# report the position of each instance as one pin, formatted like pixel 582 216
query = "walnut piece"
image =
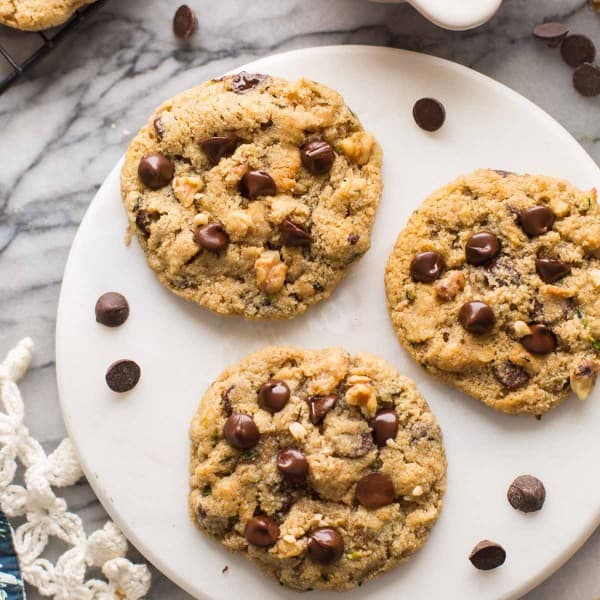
pixel 185 188
pixel 270 272
pixel 521 329
pixel 358 146
pixel 363 395
pixel 450 285
pixel 583 377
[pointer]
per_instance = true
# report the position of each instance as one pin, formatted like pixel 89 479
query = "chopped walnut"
pixel 556 291
pixel 297 430
pixel 583 377
pixel 450 285
pixel 358 146
pixel 185 188
pixel 270 272
pixel 521 329
pixel 363 395
pixel 559 207
pixel 595 277
pixel 201 219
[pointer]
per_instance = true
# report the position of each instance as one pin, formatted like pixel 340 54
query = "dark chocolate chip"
pixel 541 340
pixel 476 317
pixel 123 375
pixel 257 183
pixel 212 237
pixel 482 247
pixel 244 82
pixel 577 49
pixel 159 127
pixel 551 270
pixel 385 426
pixel 241 431
pixel 155 170
pixel 292 463
pixel 552 33
pixel 353 238
pixel 217 147
pixel 317 157
pixel 526 493
pixel 487 555
pixel 273 395
pixel 375 490
pixel 184 22
pixel 142 221
pixel 429 114
pixel 112 309
pixel 537 220
pixel 320 406
pixel 586 79
pixel 511 376
pixel 293 235
pixel 427 266
pixel 261 531
pixel 325 546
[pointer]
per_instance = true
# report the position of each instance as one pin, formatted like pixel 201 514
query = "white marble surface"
pixel 65 127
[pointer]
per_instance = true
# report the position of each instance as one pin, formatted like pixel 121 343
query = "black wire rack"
pixel 46 42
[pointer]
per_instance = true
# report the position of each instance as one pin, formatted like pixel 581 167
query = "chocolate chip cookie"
pixel 494 286
pixel 37 15
pixel 323 468
pixel 252 195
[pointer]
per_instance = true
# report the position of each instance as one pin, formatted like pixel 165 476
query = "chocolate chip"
pixel 537 220
pixel 385 426
pixel 375 490
pixel 540 341
pixel 241 431
pixel 293 235
pixel 476 317
pixel 353 238
pixel 112 309
pixel 158 127
pixel 511 376
pixel 429 114
pixel 552 33
pixel 273 395
pixel 217 147
pixel 317 157
pixel 577 49
pixel 142 221
pixel 292 463
pixel 244 82
pixel 257 183
pixel 526 493
pixel 261 531
pixel 123 375
pixel 184 22
pixel 212 237
pixel 482 247
pixel 320 406
pixel 586 79
pixel 155 170
pixel 325 545
pixel 551 270
pixel 427 266
pixel 487 555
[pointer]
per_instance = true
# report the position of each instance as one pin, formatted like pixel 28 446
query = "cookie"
pixel 494 287
pixel 322 468
pixel 252 195
pixel 37 15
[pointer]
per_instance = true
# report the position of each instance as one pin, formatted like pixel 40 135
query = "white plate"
pixel 134 448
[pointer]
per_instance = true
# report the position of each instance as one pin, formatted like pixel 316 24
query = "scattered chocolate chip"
pixel 577 49
pixel 217 147
pixel 552 33
pixel 112 309
pixel 123 375
pixel 476 317
pixel 586 79
pixel 511 376
pixel 320 406
pixel 212 237
pixel 273 395
pixel 257 183
pixel 261 531
pixel 353 238
pixel 487 555
pixel 429 114
pixel 325 545
pixel 225 569
pixel 142 221
pixel 427 266
pixel 551 270
pixel 292 463
pixel 537 220
pixel 482 247
pixel 241 431
pixel 375 490
pixel 526 493
pixel 385 426
pixel 155 170
pixel 317 157
pixel 158 127
pixel 184 22
pixel 244 81
pixel 293 235
pixel 540 341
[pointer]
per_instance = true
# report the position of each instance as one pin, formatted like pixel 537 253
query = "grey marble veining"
pixel 64 128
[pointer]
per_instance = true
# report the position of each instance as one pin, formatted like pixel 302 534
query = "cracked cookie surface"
pixel 494 286
pixel 323 468
pixel 37 15
pixel 252 195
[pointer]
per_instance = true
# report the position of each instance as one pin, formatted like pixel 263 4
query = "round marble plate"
pixel 134 447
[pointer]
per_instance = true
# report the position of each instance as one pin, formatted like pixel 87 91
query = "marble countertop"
pixel 66 126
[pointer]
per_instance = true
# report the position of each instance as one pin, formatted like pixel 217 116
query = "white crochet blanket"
pixel 46 514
